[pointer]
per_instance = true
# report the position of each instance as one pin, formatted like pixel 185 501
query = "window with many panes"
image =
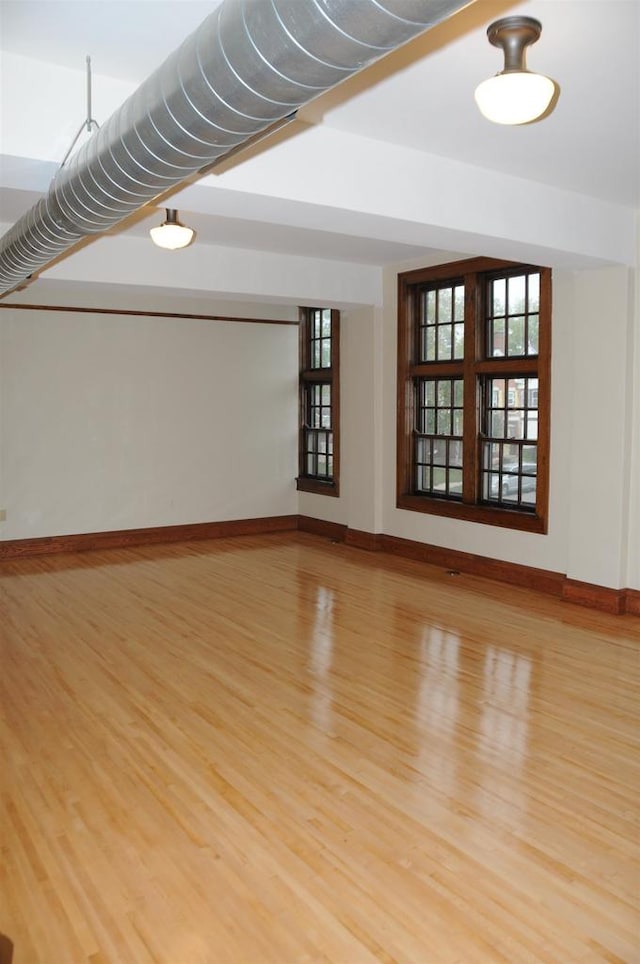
pixel 473 392
pixel 319 436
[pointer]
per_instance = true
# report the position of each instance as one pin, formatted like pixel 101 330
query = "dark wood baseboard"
pixel 615 601
pixel 632 602
pixel 516 575
pixel 363 540
pixel 318 527
pixel 595 597
pixel 120 538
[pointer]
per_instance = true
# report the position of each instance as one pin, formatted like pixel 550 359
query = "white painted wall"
pixel 633 402
pixel 600 429
pixel 114 422
pixel 589 520
pixel 111 422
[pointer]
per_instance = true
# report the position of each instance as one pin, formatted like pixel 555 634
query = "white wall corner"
pixel 600 426
pixel 633 430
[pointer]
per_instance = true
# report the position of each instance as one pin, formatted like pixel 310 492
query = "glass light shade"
pixel 514 97
pixel 171 235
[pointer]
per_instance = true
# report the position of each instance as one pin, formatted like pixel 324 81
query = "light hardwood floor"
pixel 279 749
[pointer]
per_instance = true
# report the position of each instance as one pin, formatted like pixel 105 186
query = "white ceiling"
pixel 420 97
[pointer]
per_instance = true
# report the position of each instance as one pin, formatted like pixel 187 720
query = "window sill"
pixel 316 487
pixel 482 514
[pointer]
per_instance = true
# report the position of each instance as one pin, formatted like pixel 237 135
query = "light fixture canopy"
pixel 515 95
pixel 171 234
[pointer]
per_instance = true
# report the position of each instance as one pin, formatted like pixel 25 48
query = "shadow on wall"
pixel 6 949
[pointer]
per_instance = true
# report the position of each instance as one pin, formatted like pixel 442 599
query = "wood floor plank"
pixel 279 749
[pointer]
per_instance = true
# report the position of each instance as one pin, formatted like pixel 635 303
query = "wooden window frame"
pixel 475 364
pixel 308 376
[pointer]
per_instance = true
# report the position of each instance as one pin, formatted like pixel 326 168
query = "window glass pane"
pixel 529 490
pixel 493 451
pixel 517 295
pixel 512 323
pixel 510 454
pixel 444 421
pixel 440 455
pixel 439 480
pixel 444 342
pixel 319 327
pixel 497 392
pixel 519 396
pixel 499 300
pixel 444 392
pixel 458 341
pixel 431 307
pixel 429 344
pixel 515 343
pixel 497 424
pixel 458 392
pixel 455 453
pixel 430 391
pixel 444 305
pixel 509 472
pixel 458 312
pixel 497 347
pixel 326 394
pixel 455 481
pixel 441 326
pixel 491 485
pixel 516 392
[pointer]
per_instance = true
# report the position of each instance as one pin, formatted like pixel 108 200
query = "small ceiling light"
pixel 515 95
pixel 171 234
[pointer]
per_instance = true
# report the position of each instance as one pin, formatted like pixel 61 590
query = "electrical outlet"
pixel 3 515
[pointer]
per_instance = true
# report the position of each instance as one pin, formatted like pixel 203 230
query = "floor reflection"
pixel 437 708
pixel 504 724
pixel 321 659
pixel 502 738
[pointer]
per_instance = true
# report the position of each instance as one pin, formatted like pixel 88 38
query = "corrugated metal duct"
pixel 248 65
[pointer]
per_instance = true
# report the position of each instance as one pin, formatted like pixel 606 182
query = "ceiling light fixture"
pixel 515 95
pixel 171 234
